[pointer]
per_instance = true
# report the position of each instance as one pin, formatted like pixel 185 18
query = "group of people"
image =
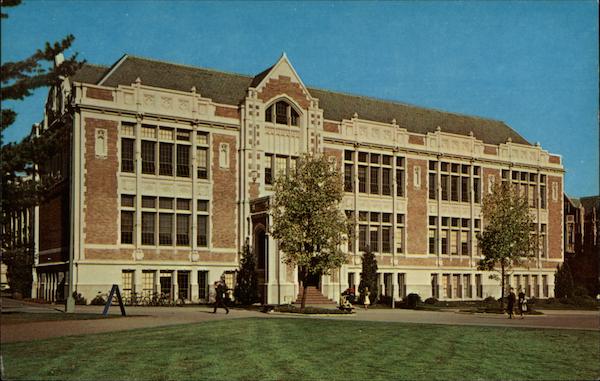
pixel 512 299
pixel 349 297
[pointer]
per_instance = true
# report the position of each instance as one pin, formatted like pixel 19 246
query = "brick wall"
pixel 490 150
pixel 485 181
pixel 54 221
pixel 555 218
pixel 416 262
pixel 284 85
pixel 102 94
pixel 101 207
pixel 227 112
pixel 331 127
pixel 224 189
pixel 416 218
pixel 416 139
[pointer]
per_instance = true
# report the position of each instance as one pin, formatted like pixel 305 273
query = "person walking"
pixel 511 303
pixel 367 300
pixel 522 303
pixel 220 293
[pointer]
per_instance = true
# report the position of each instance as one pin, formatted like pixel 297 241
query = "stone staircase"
pixel 314 297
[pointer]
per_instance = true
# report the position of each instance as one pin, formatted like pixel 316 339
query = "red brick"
pixel 224 189
pixel 555 219
pixel 416 139
pixel 284 85
pixel 102 94
pixel 101 211
pixel 416 218
pixel 490 150
pixel 331 127
pixel 227 112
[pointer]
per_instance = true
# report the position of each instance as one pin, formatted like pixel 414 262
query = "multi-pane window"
pixel 202 154
pixel 478 286
pixel 183 160
pixel 148 282
pixel 526 184
pixel 399 237
pixel 277 165
pixel 127 283
pixel 202 228
pixel 435 287
pixel 375 231
pixel 455 235
pixel 544 240
pixel 374 173
pixel 400 176
pixel 165 159
pixel 203 284
pixel 127 155
pixel 148 157
pixel 127 218
pixel 165 229
pixel 183 225
pixel 282 113
pixel 148 228
pixel 455 181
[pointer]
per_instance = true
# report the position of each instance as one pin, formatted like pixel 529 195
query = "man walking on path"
pixel 511 302
pixel 221 290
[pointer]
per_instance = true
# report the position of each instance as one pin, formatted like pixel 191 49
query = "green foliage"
pixel 307 221
pixel 431 301
pixel 368 277
pixel 563 282
pixel 412 301
pixel 507 239
pixel 21 188
pixel 246 288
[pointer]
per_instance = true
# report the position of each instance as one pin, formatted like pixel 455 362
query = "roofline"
pixel 112 69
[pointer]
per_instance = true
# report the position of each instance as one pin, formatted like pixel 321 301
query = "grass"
pixel 309 349
pixel 22 317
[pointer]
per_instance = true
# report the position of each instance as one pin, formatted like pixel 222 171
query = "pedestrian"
pixel 522 303
pixel 220 293
pixel 367 300
pixel 511 302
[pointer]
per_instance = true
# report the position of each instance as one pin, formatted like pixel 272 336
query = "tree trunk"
pixel 304 287
pixel 503 286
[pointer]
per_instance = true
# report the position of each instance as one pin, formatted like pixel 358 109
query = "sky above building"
pixel 531 64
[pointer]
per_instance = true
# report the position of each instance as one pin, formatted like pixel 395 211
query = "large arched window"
pixel 282 112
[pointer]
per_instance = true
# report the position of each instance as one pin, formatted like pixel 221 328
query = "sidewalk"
pixel 147 317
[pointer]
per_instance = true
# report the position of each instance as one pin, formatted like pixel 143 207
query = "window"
pixel 183 284
pixel 148 157
pixel 478 286
pixel 128 200
pixel 183 160
pixel 203 285
pixel 467 286
pixel 165 234
pixel 282 113
pixel 148 228
pixel 278 165
pixel 202 231
pixel 399 241
pixel 148 282
pixel 165 157
pixel 127 155
pixel 183 230
pixel 400 173
pixel 202 155
pixel 435 288
pixel 202 221
pixel 127 283
pixel 386 239
pixel 348 175
pixel 402 285
pixel 362 179
pixel 268 169
pixel 544 240
pixel 432 186
pixel 374 180
pixel 127 226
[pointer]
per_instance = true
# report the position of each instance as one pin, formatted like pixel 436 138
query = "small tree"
pixel 369 275
pixel 564 287
pixel 246 288
pixel 507 239
pixel 307 220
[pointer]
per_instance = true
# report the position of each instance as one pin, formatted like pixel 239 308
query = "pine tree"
pixel 21 187
pixel 369 276
pixel 564 286
pixel 246 288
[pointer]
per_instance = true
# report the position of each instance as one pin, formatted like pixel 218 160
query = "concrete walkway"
pixel 147 317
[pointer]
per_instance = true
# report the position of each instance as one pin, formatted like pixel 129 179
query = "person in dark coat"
pixel 522 303
pixel 221 291
pixel 511 302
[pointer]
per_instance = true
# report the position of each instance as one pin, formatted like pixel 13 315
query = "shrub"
pixel 79 300
pixel 431 301
pixel 309 310
pixel 412 300
pixel 489 299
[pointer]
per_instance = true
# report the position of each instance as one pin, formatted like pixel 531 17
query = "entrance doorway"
pixel 313 280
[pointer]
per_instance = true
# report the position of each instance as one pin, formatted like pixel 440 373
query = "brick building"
pixel 172 167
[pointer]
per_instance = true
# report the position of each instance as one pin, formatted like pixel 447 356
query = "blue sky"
pixel 531 64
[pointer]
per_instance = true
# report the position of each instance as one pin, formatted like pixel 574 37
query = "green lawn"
pixel 24 317
pixel 310 349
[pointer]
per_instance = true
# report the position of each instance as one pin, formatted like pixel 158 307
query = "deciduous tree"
pixel 507 239
pixel 307 220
